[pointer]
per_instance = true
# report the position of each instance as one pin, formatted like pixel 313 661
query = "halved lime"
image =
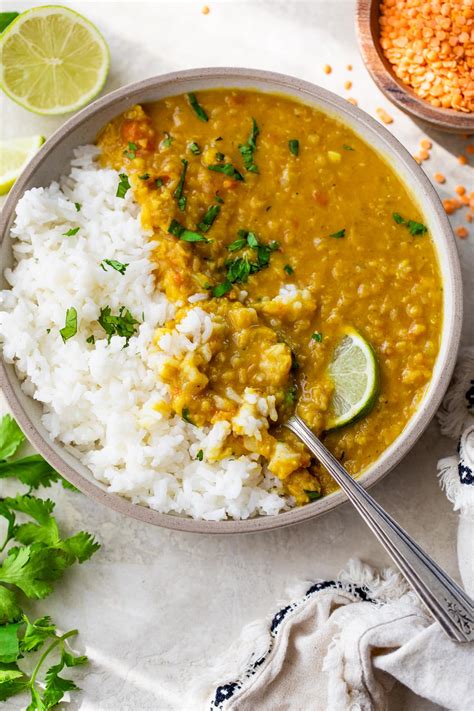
pixel 14 155
pixel 52 60
pixel 355 375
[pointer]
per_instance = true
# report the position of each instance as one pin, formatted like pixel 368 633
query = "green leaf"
pixel 118 266
pixel 398 218
pixel 33 568
pixel 194 148
pixel 131 152
pixel 208 220
pixel 237 244
pixel 9 608
pixel 177 230
pixel 11 437
pixel 12 681
pixel 123 186
pixel 36 701
pixel 222 289
pixel 82 546
pixel 70 329
pixel 347 147
pixel 339 234
pixel 196 106
pixel 185 415
pixel 124 324
pixel 416 228
pixel 290 395
pixel 316 336
pixel 288 269
pixel 294 146
pixel 39 509
pixel 28 533
pixel 228 169
pixel 9 642
pixel 145 176
pixel 178 193
pixel 73 231
pixel 312 495
pixel 248 149
pixel 200 455
pixel 37 633
pixel 167 141
pixel 10 518
pixel 238 270
pixel 78 206
pixel 33 471
pixel 6 18
pixel 252 241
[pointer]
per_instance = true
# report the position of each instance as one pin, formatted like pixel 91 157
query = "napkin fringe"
pixel 461 496
pixel 459 399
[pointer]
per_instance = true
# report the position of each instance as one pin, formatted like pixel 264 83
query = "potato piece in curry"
pixel 276 228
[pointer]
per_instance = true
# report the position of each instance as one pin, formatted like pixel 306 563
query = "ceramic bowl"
pixel 52 160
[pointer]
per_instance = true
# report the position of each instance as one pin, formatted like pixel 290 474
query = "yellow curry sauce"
pixel 297 242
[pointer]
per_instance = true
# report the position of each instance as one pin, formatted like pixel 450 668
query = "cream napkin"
pixel 340 645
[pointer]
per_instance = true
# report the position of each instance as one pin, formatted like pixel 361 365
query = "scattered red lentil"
pixel 460 189
pixel 462 232
pixel 469 217
pixel 352 101
pixel 439 177
pixel 348 85
pixel 349 67
pixel 451 205
pixel 384 116
pixel 462 160
pixel 206 10
pixel 430 45
pixel 470 148
pixel 423 155
pixel 426 144
pixel 327 69
pixel 464 200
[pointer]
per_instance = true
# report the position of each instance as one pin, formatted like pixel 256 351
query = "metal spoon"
pixel 445 600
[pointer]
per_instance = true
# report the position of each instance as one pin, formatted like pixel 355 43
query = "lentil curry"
pixel 291 230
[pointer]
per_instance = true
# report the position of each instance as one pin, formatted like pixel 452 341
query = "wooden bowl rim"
pixel 393 88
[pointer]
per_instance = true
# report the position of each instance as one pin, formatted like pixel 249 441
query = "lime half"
pixel 14 155
pixel 52 60
pixel 355 375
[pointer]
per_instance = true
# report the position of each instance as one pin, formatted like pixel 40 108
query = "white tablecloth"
pixel 155 608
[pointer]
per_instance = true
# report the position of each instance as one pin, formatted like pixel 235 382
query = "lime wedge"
pixel 355 375
pixel 52 60
pixel 14 155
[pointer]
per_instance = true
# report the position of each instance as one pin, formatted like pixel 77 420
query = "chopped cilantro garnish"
pixel 178 193
pixel 91 340
pixel 222 289
pixel 209 217
pixel 145 176
pixel 347 147
pixel 248 149
pixel 238 270
pixel 196 106
pixel 252 241
pixel 288 269
pixel 70 329
pixel 73 231
pixel 294 362
pixel 122 325
pixel 118 266
pixel 123 186
pixel 414 228
pixel 78 206
pixel 177 230
pixel 131 152
pixel 339 234
pixel 316 336
pixel 312 495
pixel 228 169
pixel 194 148
pixel 185 415
pixel 220 156
pixel 290 395
pixel 159 182
pixel 219 199
pixel 237 244
pixel 294 146
pixel 167 140
pixel 48 330
pixel 200 455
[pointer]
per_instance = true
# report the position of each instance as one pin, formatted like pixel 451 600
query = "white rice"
pixel 98 398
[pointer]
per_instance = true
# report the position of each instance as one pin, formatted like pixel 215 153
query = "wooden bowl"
pixel 400 94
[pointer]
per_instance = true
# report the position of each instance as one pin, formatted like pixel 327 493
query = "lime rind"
pixel 73 73
pixel 15 154
pixel 355 374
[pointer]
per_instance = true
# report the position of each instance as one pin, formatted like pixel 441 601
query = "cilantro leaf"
pixel 39 509
pixel 185 415
pixel 82 546
pixel 11 437
pixel 415 228
pixel 316 336
pixel 33 568
pixel 197 108
pixel 73 231
pixel 132 151
pixel 177 230
pixel 347 147
pixel 339 234
pixel 237 244
pixel 33 471
pixel 10 518
pixel 288 269
pixel 70 329
pixel 123 324
pixel 178 193
pixel 78 206
pixel 200 455
pixel 228 169
pixel 12 681
pixel 194 148
pixel 167 141
pixel 294 146
pixel 222 289
pixel 9 642
pixel 37 633
pixel 208 220
pixel 248 149
pixel 9 608
pixel 145 176
pixel 118 266
pixel 123 186
pixel 290 395
pixel 312 495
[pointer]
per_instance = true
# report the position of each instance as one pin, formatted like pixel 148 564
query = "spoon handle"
pixel 445 600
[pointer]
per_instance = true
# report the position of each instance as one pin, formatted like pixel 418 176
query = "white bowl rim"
pixel 271 82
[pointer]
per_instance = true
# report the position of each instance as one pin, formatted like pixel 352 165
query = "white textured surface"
pixel 155 608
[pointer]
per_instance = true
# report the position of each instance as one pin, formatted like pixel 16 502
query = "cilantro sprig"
pixel 123 324
pixel 240 268
pixel 177 230
pixel 178 193
pixel 228 169
pixel 197 108
pixel 248 149
pixel 414 228
pixel 118 266
pixel 36 557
